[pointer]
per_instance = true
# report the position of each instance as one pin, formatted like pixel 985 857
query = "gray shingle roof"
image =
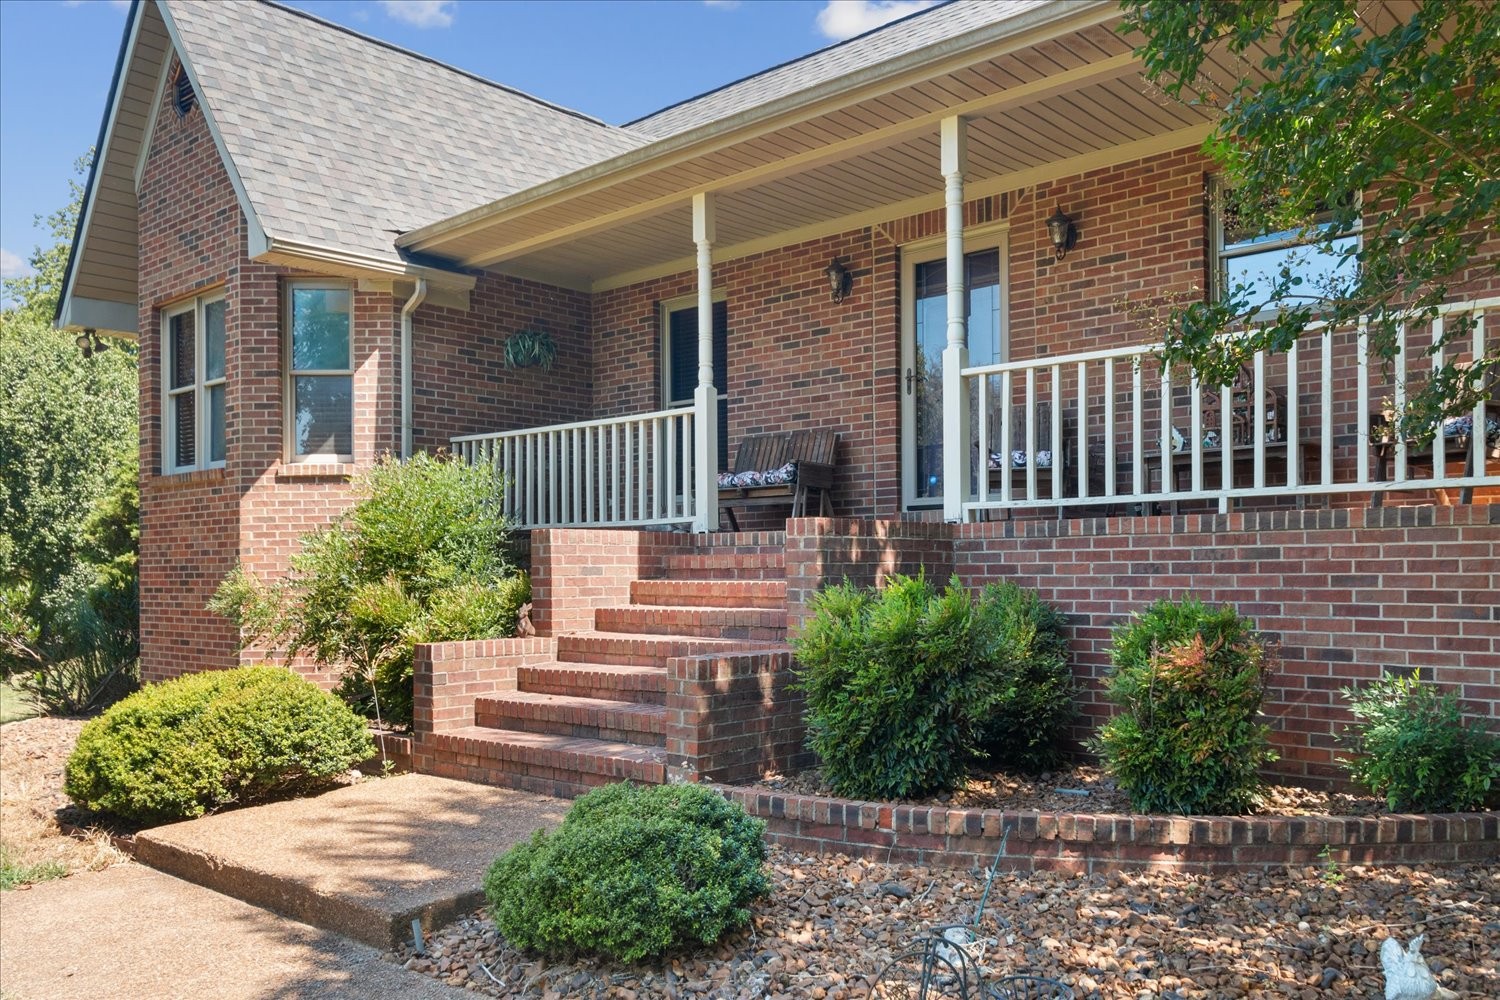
pixel 915 32
pixel 343 141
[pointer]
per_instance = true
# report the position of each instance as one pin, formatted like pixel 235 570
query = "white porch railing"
pixel 1116 429
pixel 616 472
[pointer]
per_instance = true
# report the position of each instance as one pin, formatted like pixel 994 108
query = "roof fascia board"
pixel 101 149
pixel 1139 149
pixel 1027 93
pixel 994 39
pixel 144 153
pixel 118 318
pixel 314 257
pixel 256 232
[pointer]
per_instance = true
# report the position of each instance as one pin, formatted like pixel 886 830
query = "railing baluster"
pixel 614 472
pixel 690 498
pixel 1438 442
pixel 1031 490
pixel 1168 472
pixel 641 475
pixel 1293 420
pixel 1325 430
pixel 576 515
pixel 671 486
pixel 533 480
pixel 1109 427
pixel 1138 430
pixel 1479 433
pixel 1362 404
pixel 1057 433
pixel 1083 430
pixel 1195 420
pixel 1258 428
pixel 1226 441
pixel 1007 465
pixel 1400 473
pixel 982 407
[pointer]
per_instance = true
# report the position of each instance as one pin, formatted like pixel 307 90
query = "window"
pixel 193 363
pixel 183 98
pixel 1254 259
pixel 680 362
pixel 320 389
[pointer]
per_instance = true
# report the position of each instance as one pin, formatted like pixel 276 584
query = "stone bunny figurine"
pixel 1406 974
pixel 524 628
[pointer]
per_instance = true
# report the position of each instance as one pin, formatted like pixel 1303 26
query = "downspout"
pixel 417 297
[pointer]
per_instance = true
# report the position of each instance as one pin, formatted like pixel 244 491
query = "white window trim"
pixel 1218 258
pixel 289 386
pixel 992 236
pixel 199 386
pixel 664 363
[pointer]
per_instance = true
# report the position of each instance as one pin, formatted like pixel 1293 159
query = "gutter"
pixel 417 297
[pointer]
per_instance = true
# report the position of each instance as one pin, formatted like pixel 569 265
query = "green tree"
pixel 68 497
pixel 1393 133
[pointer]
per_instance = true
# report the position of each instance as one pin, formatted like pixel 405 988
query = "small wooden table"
pixel 1243 457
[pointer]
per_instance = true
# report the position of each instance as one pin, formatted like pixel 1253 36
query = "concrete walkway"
pixel 362 861
pixel 134 932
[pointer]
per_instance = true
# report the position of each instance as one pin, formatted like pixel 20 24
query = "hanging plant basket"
pixel 530 349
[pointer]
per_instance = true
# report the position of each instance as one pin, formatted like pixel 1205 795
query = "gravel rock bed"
pixel 1086 789
pixel 833 922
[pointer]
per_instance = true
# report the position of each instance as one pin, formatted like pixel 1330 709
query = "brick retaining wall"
pixel 731 717
pixel 1087 844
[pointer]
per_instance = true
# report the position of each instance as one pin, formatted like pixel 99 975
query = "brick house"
pixel 922 238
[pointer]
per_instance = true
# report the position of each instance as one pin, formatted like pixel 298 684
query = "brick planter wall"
pixel 1091 844
pixel 731 717
pixel 574 571
pixel 448 676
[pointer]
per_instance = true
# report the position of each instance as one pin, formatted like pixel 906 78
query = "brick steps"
pixel 726 566
pixel 596 713
pixel 769 594
pixel 572 715
pixel 608 681
pixel 754 624
pixel 548 763
pixel 638 650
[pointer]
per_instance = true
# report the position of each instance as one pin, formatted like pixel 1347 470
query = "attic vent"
pixel 183 98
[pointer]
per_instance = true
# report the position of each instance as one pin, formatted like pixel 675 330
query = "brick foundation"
pixel 1098 844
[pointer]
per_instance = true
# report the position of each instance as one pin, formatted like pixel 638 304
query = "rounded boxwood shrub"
pixel 195 744
pixel 1189 679
pixel 906 686
pixel 1413 746
pixel 632 871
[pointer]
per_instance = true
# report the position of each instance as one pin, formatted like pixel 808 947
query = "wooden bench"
pixel 812 450
pixel 1457 451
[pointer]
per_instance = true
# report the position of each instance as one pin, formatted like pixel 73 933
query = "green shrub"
pixel 905 684
pixel 631 872
pixel 192 745
pixel 1027 641
pixel 1190 681
pixel 420 557
pixel 1412 746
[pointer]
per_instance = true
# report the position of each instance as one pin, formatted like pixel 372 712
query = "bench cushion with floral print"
pixel 783 476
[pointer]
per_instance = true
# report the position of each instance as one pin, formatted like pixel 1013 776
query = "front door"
pixel 924 336
pixel 679 375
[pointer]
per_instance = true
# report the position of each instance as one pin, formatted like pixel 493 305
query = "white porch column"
pixel 706 396
pixel 956 354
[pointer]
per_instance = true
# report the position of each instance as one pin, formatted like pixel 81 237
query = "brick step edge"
pixel 642 650
pixel 569 715
pixel 612 681
pixel 754 624
pixel 768 594
pixel 575 756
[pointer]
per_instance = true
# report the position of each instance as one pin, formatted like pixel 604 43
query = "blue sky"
pixel 613 59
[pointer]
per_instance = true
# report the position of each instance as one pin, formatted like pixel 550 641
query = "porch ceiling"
pixel 1064 97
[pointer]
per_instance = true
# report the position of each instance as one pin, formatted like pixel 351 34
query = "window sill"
pixel 188 478
pixel 315 470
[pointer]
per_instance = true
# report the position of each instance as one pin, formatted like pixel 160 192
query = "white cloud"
pixel 421 13
pixel 12 266
pixel 841 19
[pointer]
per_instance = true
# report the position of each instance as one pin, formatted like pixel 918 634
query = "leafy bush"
pixel 1026 639
pixel 631 872
pixel 192 745
pixel 1414 747
pixel 1190 681
pixel 420 557
pixel 903 685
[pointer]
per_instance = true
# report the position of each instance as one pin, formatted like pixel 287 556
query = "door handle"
pixel 910 377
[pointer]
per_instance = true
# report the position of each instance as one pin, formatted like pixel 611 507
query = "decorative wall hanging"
pixel 530 349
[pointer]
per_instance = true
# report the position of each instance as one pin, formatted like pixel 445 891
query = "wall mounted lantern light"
pixel 839 280
pixel 1063 232
pixel 89 343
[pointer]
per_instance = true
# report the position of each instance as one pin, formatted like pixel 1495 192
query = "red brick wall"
pixel 460 382
pixel 733 718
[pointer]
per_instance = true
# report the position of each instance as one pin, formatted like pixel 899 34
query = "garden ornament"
pixel 524 628
pixel 1406 974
